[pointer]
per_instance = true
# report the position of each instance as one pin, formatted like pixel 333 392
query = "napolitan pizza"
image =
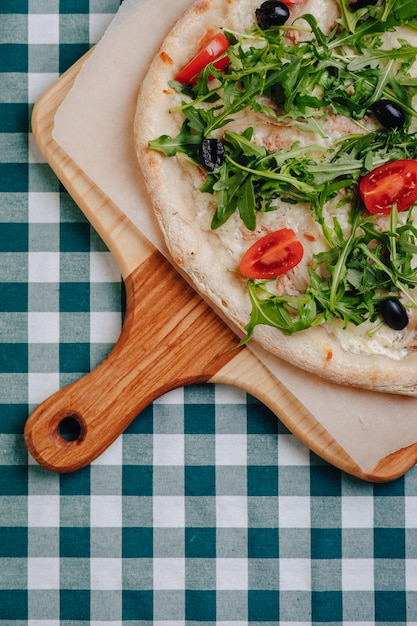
pixel 278 143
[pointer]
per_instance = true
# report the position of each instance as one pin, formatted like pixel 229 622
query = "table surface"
pixel 206 509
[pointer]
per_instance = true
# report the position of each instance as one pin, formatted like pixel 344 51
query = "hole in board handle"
pixel 70 428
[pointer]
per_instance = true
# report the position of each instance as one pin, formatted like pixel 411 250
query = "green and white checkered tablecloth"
pixel 206 510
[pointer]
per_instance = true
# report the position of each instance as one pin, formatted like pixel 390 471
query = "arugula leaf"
pixel 186 141
pixel 279 312
pixel 246 204
pixel 396 12
pixel 227 188
pixel 373 58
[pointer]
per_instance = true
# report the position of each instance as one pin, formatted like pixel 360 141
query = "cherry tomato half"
pixel 272 255
pixel 393 182
pixel 213 49
pixel 289 2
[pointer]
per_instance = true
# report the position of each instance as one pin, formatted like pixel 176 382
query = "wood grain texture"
pixel 170 338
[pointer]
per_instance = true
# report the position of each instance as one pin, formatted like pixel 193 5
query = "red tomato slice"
pixel 289 2
pixel 394 182
pixel 213 49
pixel 272 255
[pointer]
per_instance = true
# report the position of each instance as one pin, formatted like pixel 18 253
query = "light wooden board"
pixel 170 338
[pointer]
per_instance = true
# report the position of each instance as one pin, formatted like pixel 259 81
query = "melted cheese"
pixel 386 342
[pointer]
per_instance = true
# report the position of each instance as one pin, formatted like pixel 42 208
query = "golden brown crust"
pixel 174 192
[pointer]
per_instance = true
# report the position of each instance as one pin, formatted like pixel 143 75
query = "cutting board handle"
pixel 170 338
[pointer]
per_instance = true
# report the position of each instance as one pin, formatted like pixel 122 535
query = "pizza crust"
pixel 174 192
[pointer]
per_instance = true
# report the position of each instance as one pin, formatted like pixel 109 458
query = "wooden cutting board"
pixel 170 338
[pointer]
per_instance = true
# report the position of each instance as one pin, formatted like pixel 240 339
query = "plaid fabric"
pixel 206 509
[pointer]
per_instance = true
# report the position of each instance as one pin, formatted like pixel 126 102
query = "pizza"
pixel 278 144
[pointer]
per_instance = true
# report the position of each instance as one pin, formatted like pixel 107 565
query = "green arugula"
pixel 347 282
pixel 345 72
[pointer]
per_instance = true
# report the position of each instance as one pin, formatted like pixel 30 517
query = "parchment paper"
pixel 95 127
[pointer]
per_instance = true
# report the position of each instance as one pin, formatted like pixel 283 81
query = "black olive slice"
pixel 394 314
pixel 389 114
pixel 272 13
pixel 361 4
pixel 211 154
